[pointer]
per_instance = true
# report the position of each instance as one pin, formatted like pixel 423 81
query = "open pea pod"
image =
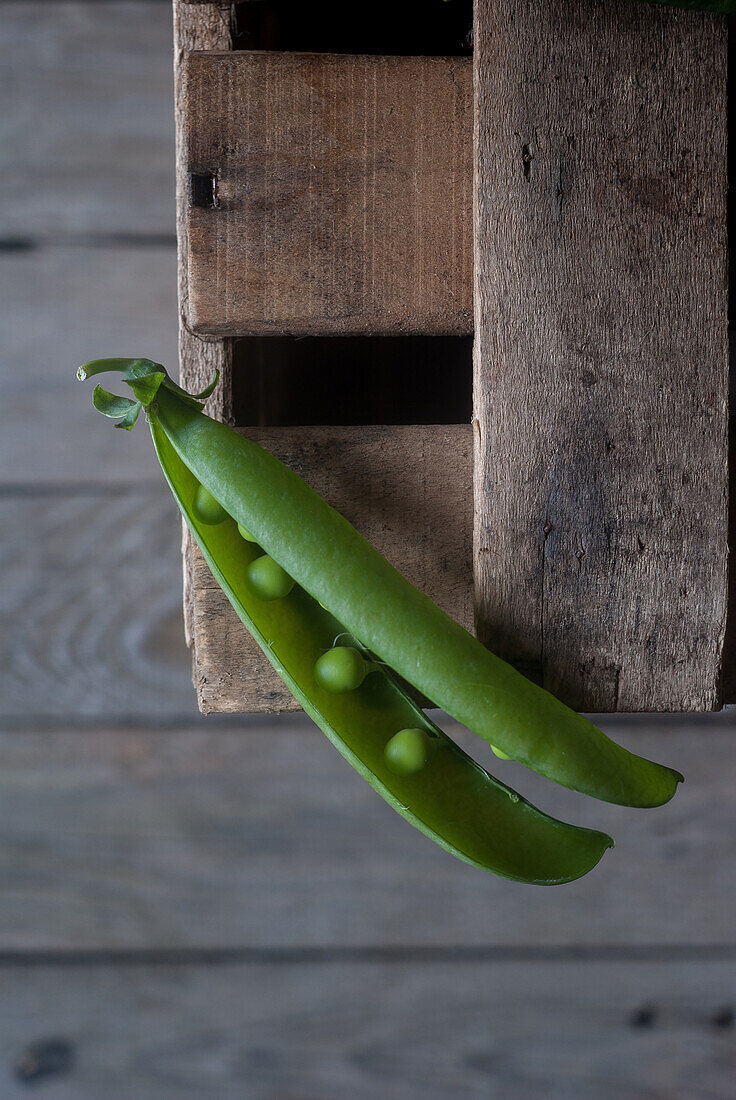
pixel 328 558
pixel 343 572
pixel 451 799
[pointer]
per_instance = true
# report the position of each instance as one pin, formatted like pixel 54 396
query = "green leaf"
pixel 146 388
pixel 129 368
pixel 130 417
pixel 144 378
pixel 143 368
pixel 208 389
pixel 109 404
pixel 193 399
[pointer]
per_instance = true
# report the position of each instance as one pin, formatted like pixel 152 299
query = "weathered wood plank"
pixel 86 121
pixel 96 173
pixel 601 350
pixel 89 604
pixel 60 307
pixel 562 1030
pixel 407 489
pixel 266 838
pixel 196 27
pixel 343 198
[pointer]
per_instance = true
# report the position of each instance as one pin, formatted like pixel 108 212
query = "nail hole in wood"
pixel 203 190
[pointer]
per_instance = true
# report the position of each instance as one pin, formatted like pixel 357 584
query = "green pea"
pixel 340 669
pixel 206 509
pixel 500 753
pixel 245 534
pixel 267 579
pixel 407 752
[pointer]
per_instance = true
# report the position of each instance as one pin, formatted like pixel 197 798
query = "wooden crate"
pixel 332 195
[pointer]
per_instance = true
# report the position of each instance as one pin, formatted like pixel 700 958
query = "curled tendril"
pixel 144 378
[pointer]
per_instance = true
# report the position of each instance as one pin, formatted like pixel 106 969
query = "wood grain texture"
pixel 89 605
pixel 601 349
pixel 407 489
pixel 562 1030
pixel 86 120
pixel 87 224
pixel 182 839
pixel 343 194
pixel 196 27
pixel 60 307
pixel 265 838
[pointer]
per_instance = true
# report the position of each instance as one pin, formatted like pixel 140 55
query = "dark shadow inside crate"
pixel 282 381
pixel 412 27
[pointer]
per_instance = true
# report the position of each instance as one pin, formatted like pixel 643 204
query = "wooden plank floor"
pixel 189 839
pixel 222 908
pixel 327 1030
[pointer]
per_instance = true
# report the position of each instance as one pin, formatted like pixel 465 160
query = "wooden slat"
pixel 265 838
pixel 85 120
pixel 343 194
pixel 601 350
pixel 196 27
pixel 86 227
pixel 562 1030
pixel 407 489
pixel 89 604
pixel 60 307
pixel 205 27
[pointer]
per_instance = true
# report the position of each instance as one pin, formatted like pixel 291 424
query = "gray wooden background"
pixel 222 908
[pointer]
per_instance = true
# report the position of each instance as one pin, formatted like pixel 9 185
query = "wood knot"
pixel 646 1016
pixel 45 1058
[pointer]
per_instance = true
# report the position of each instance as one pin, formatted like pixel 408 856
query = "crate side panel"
pixel 601 361
pixel 329 194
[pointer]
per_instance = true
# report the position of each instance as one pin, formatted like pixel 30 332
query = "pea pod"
pixel 209 465
pixel 324 554
pixel 328 558
pixel 452 800
pixel 446 794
